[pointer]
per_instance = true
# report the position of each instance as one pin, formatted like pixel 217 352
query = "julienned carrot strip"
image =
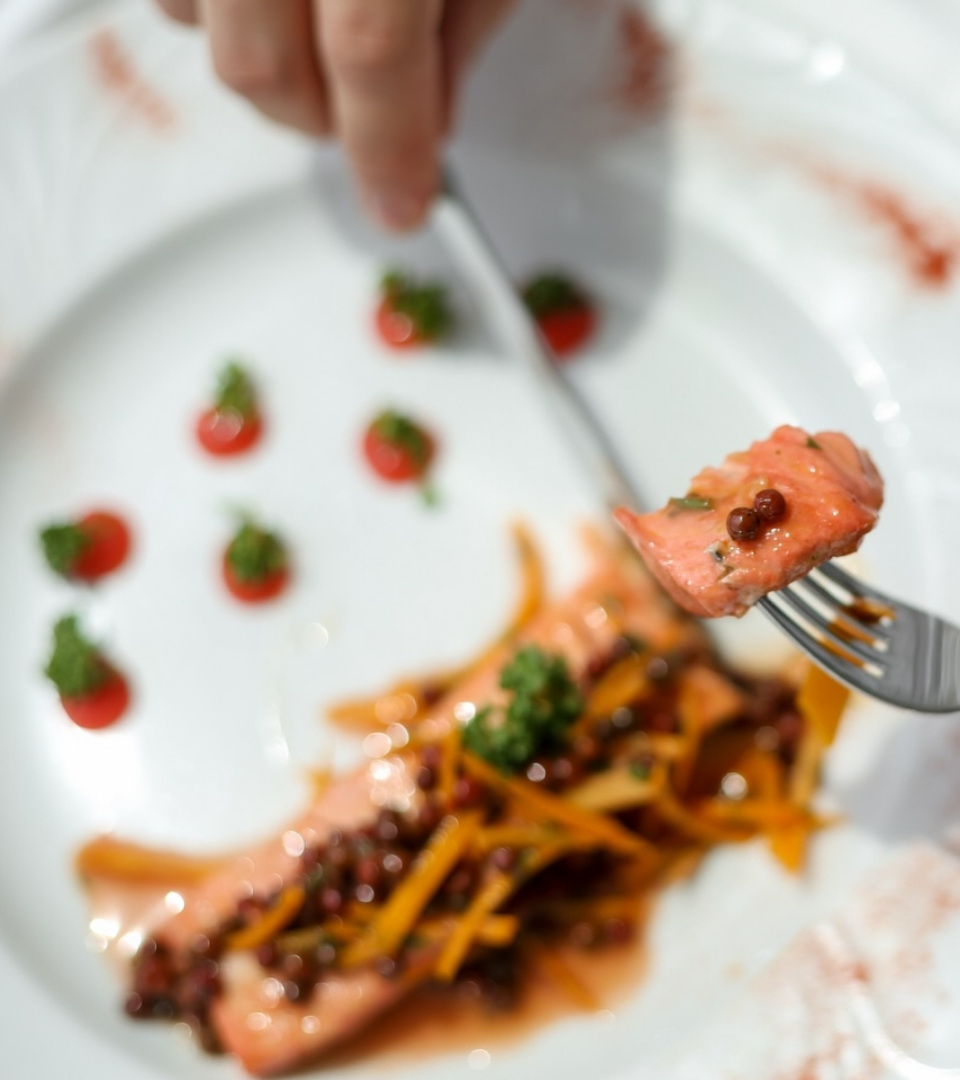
pixel 619 788
pixel 761 813
pixel 487 900
pixel 399 914
pixel 562 976
pixel 698 828
pixel 789 846
pixel 491 895
pixel 115 860
pixel 530 836
pixel 273 920
pixel 624 683
pixel 554 808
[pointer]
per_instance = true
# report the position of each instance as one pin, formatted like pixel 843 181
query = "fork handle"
pixel 489 276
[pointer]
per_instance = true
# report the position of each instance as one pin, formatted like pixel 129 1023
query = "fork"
pixel 862 637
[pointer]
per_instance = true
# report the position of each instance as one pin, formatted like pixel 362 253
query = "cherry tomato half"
pixel 255 592
pixel 223 432
pixel 107 547
pixel 102 707
pixel 566 331
pixel 398 461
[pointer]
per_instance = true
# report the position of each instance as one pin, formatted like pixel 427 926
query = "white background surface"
pixel 774 304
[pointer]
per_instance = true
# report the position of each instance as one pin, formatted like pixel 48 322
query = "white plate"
pixel 145 234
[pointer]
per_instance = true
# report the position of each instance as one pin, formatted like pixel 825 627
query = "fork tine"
pixel 854 650
pixel 874 628
pixel 860 678
pixel 853 585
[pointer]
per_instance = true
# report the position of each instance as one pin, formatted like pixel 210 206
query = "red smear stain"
pixel 928 246
pixel 117 73
pixel 926 242
pixel 646 62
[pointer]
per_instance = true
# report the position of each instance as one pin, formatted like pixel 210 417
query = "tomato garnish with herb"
pixel 89 548
pixel 92 692
pixel 410 313
pixel 564 313
pixel 397 448
pixel 234 423
pixel 256 567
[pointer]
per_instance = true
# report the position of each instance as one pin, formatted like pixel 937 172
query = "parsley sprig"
pixel 76 666
pixel 553 292
pixel 400 431
pixel 545 703
pixel 236 392
pixel 425 305
pixel 255 553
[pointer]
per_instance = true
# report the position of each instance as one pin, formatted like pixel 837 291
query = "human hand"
pixel 382 75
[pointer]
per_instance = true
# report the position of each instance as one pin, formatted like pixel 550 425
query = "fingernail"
pixel 396 209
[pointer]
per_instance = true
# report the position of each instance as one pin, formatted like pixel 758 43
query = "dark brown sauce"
pixel 869 611
pixel 433 1020
pixel 437 1021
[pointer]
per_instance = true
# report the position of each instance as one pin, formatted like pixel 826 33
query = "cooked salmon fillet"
pixel 265 1031
pixel 833 494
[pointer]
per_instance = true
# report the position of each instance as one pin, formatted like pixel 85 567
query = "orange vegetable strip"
pixel 562 976
pixel 700 829
pixel 822 701
pixel 275 919
pixel 487 900
pixel 532 582
pixel 553 808
pixel 617 789
pixel 530 836
pixel 625 682
pixel 789 846
pixel 764 813
pixel 400 913
pixel 491 895
pixel 763 773
pixel 115 860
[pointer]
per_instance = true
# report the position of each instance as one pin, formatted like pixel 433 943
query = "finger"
pixel 382 60
pixel 264 50
pixel 467 24
pixel 184 11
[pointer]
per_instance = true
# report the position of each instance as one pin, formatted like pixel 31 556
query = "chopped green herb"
pixel 690 502
pixel 426 305
pixel 430 495
pixel 545 703
pixel 640 770
pixel 718 551
pixel 236 392
pixel 813 444
pixel 553 292
pixel 62 547
pixel 256 554
pixel 76 666
pixel 400 430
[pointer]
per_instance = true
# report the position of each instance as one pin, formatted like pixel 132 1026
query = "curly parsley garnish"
pixel 256 554
pixel 76 666
pixel 425 305
pixel 545 703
